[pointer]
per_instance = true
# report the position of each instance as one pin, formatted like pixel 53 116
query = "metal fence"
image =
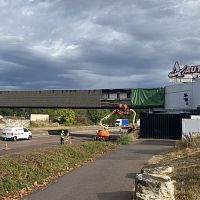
pixel 161 126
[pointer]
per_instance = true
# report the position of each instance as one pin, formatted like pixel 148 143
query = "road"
pixel 42 139
pixel 110 177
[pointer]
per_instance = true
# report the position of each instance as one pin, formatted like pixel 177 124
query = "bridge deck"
pixel 105 98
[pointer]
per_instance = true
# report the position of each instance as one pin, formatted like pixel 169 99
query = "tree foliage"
pixel 81 117
pixel 66 116
pixel 69 116
pixel 95 115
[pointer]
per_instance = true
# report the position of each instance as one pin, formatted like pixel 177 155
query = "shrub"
pixel 65 116
pixel 95 115
pixel 125 139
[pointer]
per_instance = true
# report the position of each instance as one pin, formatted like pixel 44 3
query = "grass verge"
pixel 21 173
pixel 125 139
pixel 185 158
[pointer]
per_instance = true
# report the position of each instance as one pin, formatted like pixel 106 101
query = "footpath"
pixel 110 177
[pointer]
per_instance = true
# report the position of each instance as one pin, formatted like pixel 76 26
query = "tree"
pixel 66 116
pixel 6 111
pixel 81 117
pixel 95 115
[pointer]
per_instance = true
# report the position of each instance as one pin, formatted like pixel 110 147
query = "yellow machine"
pixel 123 110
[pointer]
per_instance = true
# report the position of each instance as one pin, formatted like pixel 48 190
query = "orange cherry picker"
pixel 122 110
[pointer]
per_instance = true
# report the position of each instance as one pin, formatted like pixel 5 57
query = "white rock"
pixel 149 186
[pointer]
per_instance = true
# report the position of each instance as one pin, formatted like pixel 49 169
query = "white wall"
pixel 195 116
pixel 190 126
pixel 196 94
pixel 39 117
pixel 174 96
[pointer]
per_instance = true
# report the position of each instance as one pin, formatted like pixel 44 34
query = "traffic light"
pixel 186 98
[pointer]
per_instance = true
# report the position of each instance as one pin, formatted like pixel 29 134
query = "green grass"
pixel 125 139
pixel 29 169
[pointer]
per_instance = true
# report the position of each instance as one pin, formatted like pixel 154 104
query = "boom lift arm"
pixel 134 116
pixel 123 110
pixel 105 126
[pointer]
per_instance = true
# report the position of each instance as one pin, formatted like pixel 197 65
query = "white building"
pixel 183 96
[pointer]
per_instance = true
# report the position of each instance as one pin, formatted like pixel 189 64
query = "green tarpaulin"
pixel 154 97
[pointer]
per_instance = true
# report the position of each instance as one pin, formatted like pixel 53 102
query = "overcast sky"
pixel 82 44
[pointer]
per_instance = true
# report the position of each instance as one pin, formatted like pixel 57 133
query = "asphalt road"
pixel 42 139
pixel 110 177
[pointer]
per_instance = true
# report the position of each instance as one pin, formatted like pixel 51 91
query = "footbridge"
pixel 102 98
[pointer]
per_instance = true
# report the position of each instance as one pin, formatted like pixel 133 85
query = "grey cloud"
pixel 25 67
pixel 95 44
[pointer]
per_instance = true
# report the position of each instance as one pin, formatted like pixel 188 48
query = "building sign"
pixel 179 72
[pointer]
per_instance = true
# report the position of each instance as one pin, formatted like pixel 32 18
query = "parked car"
pixel 16 133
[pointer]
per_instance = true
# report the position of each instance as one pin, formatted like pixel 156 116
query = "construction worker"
pixel 62 137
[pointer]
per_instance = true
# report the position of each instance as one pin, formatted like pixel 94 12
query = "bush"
pixel 95 115
pixel 66 116
pixel 125 139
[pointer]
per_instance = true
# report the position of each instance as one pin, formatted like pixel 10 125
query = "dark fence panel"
pixel 161 126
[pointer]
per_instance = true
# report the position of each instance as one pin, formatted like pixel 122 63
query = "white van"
pixel 16 133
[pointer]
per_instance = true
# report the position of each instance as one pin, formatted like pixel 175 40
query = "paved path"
pixel 110 177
